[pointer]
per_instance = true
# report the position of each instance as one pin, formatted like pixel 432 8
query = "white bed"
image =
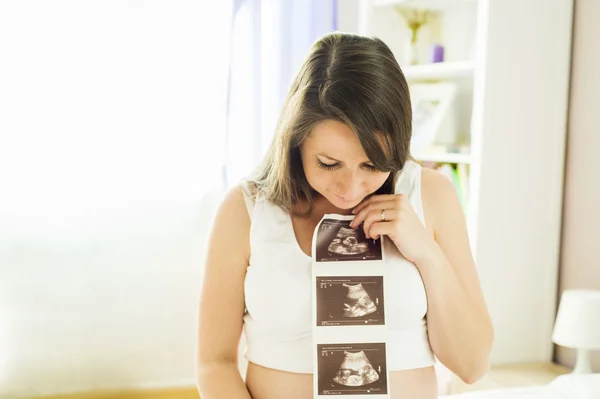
pixel 586 386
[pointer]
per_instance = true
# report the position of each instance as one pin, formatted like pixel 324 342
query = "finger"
pixel 381 229
pixel 372 199
pixel 364 203
pixel 373 207
pixel 394 201
pixel 375 217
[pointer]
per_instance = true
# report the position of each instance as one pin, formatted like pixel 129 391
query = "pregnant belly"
pixel 265 383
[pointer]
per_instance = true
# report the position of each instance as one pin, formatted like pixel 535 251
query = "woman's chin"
pixel 341 203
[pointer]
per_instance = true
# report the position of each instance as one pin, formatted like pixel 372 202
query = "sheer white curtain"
pixel 112 121
pixel 105 105
pixel 270 39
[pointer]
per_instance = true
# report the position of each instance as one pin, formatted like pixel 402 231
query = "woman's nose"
pixel 348 186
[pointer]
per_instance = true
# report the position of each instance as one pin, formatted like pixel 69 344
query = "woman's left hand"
pixel 393 216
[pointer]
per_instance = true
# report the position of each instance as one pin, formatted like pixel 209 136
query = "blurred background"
pixel 123 122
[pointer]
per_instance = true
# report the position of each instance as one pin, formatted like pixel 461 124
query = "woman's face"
pixel 337 167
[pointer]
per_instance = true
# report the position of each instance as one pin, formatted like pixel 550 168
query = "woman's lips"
pixel 344 199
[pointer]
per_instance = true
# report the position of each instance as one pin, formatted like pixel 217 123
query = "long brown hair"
pixel 351 79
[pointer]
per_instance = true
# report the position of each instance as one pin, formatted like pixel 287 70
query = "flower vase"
pixel 412 54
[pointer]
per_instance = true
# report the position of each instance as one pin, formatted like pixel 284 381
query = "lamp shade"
pixel 578 320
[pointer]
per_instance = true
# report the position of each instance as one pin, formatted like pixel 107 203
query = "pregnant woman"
pixel 341 146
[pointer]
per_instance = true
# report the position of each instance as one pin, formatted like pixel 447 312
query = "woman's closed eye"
pixel 328 166
pixel 332 166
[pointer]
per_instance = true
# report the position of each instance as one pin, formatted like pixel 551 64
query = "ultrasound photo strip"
pixel 349 331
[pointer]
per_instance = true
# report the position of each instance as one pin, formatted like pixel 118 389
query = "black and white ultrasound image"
pixel 349 301
pixel 337 241
pixel 352 369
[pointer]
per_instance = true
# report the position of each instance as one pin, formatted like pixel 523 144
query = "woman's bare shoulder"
pixel 439 196
pixel 231 224
pixel 234 200
pixel 435 183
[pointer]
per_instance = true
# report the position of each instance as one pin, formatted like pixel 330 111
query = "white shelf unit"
pixel 435 5
pixel 503 53
pixel 439 71
pixel 443 157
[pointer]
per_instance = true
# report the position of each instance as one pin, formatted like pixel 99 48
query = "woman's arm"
pixel 459 325
pixel 222 302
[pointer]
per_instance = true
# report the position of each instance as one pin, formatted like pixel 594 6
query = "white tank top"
pixel 278 316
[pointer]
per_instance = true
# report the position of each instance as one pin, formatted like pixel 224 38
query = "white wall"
pixel 108 117
pixel 579 266
pixel 348 15
pixel 520 119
